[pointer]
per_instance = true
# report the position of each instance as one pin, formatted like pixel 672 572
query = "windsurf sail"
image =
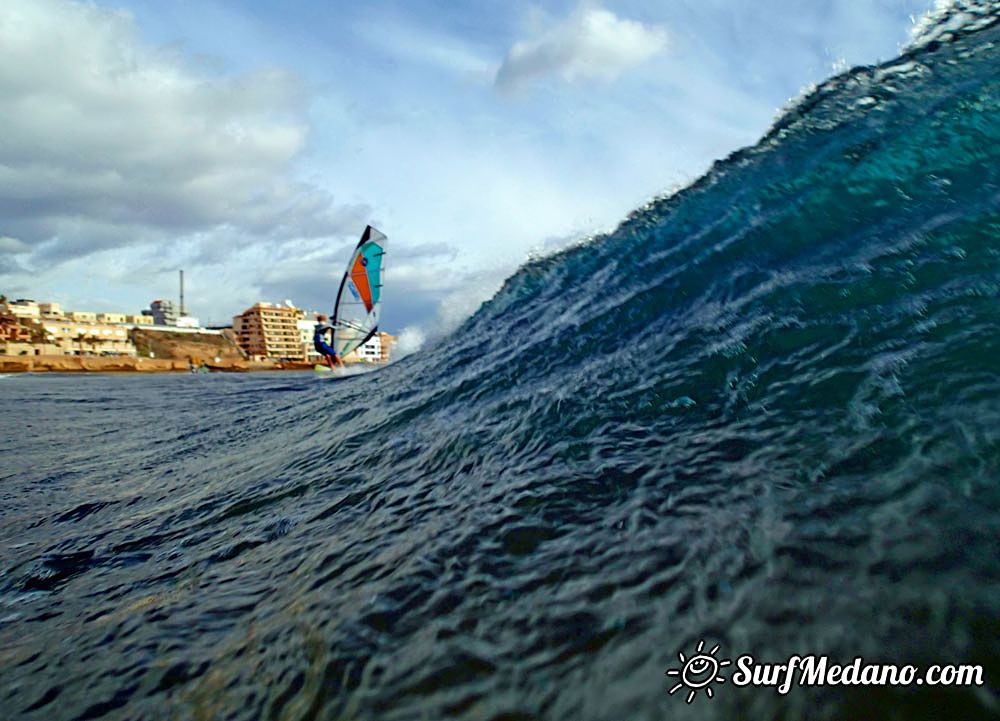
pixel 359 300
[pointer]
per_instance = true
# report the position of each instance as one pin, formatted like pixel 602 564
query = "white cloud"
pixel 591 44
pixel 108 142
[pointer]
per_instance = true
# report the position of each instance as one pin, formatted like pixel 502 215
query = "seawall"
pixel 123 364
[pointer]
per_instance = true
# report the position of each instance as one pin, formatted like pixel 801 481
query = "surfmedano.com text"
pixel 818 671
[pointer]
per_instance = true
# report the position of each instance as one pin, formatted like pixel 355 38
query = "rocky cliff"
pixel 198 347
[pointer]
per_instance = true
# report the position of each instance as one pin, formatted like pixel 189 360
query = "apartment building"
pixel 15 330
pixel 11 330
pixel 50 310
pixel 66 332
pixel 270 331
pixel 163 312
pixel 89 338
pixel 24 308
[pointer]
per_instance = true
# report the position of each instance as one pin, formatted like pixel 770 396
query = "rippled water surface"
pixel 764 412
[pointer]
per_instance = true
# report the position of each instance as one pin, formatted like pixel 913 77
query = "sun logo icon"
pixel 699 671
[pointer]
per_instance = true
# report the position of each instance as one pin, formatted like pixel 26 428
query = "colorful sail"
pixel 359 300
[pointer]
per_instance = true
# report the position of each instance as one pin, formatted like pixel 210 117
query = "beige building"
pixel 11 330
pixel 267 330
pixel 387 341
pixel 110 317
pixel 22 349
pixel 50 310
pixel 24 308
pixel 66 332
pixel 79 338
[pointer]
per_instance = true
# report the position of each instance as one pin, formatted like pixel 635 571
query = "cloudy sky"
pixel 250 142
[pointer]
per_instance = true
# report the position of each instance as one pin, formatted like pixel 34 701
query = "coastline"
pixel 126 364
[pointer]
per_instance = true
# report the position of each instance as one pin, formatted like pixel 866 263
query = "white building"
pixel 368 352
pixel 24 308
pixel 306 328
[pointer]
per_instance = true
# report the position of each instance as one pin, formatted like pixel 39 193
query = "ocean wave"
pixel 764 410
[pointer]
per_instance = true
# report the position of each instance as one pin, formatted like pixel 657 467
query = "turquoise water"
pixel 764 412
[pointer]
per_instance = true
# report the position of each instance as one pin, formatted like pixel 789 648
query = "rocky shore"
pixel 85 364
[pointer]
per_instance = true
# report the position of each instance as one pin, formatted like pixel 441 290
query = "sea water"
pixel 763 413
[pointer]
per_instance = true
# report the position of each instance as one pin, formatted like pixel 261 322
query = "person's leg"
pixel 328 352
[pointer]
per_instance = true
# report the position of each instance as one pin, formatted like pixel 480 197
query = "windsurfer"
pixel 319 341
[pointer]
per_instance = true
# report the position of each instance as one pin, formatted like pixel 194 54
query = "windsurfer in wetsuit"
pixel 319 341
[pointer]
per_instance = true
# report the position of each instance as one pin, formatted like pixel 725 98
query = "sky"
pixel 249 143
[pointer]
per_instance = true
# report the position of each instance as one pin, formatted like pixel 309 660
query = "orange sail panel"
pixel 360 277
